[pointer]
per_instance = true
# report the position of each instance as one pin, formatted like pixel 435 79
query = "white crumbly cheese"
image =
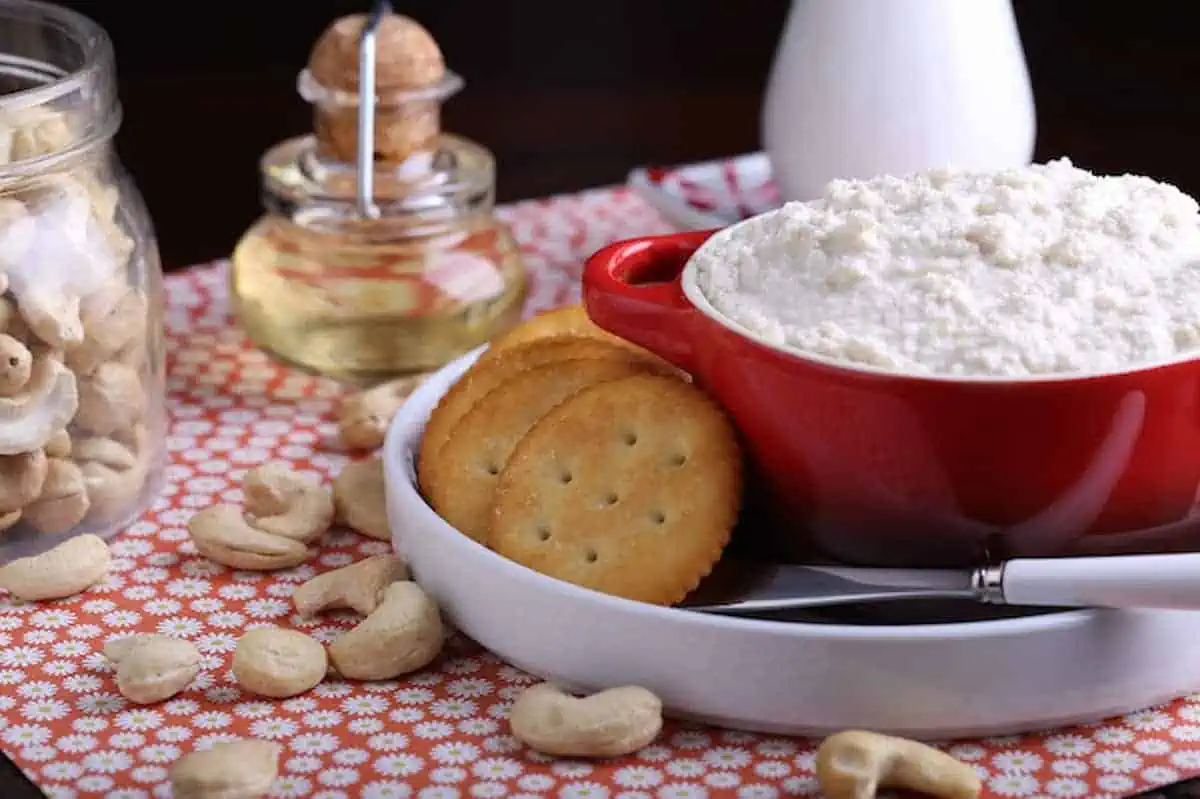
pixel 1043 270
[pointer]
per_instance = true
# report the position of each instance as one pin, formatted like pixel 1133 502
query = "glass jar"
pixel 368 297
pixel 82 417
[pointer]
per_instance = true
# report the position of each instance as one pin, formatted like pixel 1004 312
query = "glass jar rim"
pixel 93 79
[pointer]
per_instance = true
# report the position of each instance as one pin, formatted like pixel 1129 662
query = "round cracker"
pixel 630 487
pixel 569 320
pixel 468 465
pixel 483 376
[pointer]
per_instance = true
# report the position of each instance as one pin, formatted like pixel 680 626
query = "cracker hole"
pixel 630 439
pixel 658 517
pixel 543 532
pixel 566 478
pixel 609 499
pixel 493 469
pixel 591 556
pixel 678 460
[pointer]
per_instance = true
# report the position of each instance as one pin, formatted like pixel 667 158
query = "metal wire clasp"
pixel 366 110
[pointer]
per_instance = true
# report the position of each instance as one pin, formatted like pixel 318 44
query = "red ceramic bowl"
pixel 885 469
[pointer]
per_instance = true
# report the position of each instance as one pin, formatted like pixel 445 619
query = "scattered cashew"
pixel 63 501
pixel 110 399
pixel 611 723
pixel 58 445
pixel 43 407
pixel 358 587
pixel 856 764
pixel 22 478
pixel 282 502
pixel 242 769
pixel 359 494
pixel 16 366
pixel 221 534
pixel 365 416
pixel 278 663
pixel 68 569
pixel 152 668
pixel 402 635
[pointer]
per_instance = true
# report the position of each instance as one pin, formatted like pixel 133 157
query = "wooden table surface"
pixel 571 95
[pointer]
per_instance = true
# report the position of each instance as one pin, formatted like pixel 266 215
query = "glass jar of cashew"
pixel 82 421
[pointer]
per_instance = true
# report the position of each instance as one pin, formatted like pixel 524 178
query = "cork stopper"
pixel 410 80
pixel 408 57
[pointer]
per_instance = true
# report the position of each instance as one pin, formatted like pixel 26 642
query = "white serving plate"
pixel 929 681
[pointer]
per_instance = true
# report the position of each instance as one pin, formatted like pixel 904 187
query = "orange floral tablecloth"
pixel 442 733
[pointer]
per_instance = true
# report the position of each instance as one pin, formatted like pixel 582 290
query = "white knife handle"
pixel 1118 581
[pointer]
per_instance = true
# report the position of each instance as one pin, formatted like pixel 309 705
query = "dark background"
pixel 574 94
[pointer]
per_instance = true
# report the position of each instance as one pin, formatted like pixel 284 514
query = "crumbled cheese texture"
pixel 1042 270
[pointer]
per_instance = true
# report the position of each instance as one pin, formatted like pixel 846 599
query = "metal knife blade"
pixel 746 587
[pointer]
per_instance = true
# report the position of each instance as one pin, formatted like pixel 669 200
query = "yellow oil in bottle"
pixel 363 311
pixel 364 280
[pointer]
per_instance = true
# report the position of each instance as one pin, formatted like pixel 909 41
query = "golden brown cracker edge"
pixel 465 469
pixel 631 487
pixel 568 320
pixel 483 376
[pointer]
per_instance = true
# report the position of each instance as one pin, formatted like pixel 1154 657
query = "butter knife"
pixel 1120 581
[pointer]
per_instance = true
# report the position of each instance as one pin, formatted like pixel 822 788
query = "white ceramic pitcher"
pixel 867 87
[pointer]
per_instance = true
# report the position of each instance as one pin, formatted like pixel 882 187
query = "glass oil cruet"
pixel 379 254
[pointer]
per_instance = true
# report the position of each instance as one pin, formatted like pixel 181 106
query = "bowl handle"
pixel 632 289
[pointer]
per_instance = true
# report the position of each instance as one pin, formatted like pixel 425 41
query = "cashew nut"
pixel 359 495
pixel 16 366
pixel 106 452
pixel 365 416
pixel 22 478
pixel 8 520
pixel 856 764
pixel 68 569
pixel 400 636
pixel 53 316
pixel 113 318
pixel 63 501
pixel 10 320
pixel 111 493
pixel 611 723
pixel 44 406
pixel 152 668
pixel 278 663
pixel 241 769
pixel 58 445
pixel 72 253
pixel 40 131
pixel 114 471
pixel 17 231
pixel 221 534
pixel 110 399
pixel 359 586
pixel 282 502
